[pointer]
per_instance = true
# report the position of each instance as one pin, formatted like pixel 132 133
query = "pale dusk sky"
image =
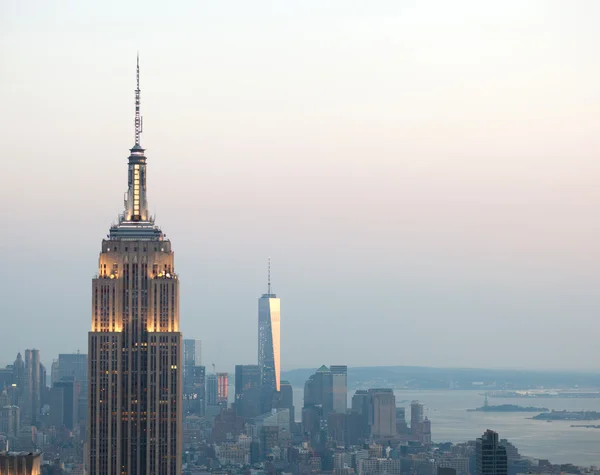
pixel 424 175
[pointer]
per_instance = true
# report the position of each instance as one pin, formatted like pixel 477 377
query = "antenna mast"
pixel 138 118
pixel 269 277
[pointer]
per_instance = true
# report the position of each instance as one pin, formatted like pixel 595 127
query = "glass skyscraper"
pixel 490 456
pixel 269 342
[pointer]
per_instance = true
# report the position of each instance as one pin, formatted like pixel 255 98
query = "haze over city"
pixel 423 177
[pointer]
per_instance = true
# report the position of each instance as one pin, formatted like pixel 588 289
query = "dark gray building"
pixel 360 406
pixel 318 391
pixel 490 456
pixel 74 366
pixel 194 390
pixel 211 390
pixel 285 400
pixel 247 390
pixel 192 356
pixel 64 403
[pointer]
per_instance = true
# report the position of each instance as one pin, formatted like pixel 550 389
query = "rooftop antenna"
pixel 138 117
pixel 269 276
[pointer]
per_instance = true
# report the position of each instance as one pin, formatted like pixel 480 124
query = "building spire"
pixel 138 117
pixel 136 205
pixel 269 276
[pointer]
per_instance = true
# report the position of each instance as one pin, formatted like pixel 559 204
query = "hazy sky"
pixel 423 174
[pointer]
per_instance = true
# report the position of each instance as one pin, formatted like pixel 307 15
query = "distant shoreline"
pixel 508 408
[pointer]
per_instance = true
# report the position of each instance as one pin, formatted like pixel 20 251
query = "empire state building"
pixel 135 384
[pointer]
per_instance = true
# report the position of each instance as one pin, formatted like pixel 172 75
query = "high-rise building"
pixel 191 360
pixel 63 403
pixel 32 387
pixel 490 456
pixel 426 432
pixel 222 388
pixel 401 426
pixel 9 416
pixel 6 376
pixel 134 375
pixel 74 366
pixel 318 390
pixel 285 400
pixel 512 453
pixel 199 388
pixel 212 392
pixel 194 397
pixel 20 463
pixel 19 376
pixel 43 382
pixel 345 429
pixel 247 390
pixel 54 372
pixel 340 388
pixel 416 420
pixel 192 356
pixel 360 406
pixel 382 412
pixel 4 398
pixel 269 341
pixel 311 422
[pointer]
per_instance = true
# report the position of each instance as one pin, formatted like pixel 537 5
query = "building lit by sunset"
pixel 269 343
pixel 222 388
pixel 135 370
pixel 20 463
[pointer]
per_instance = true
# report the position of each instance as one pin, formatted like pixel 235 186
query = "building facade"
pixel 134 372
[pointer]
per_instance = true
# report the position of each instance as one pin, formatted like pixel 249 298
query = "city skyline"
pixel 428 167
pixel 423 175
